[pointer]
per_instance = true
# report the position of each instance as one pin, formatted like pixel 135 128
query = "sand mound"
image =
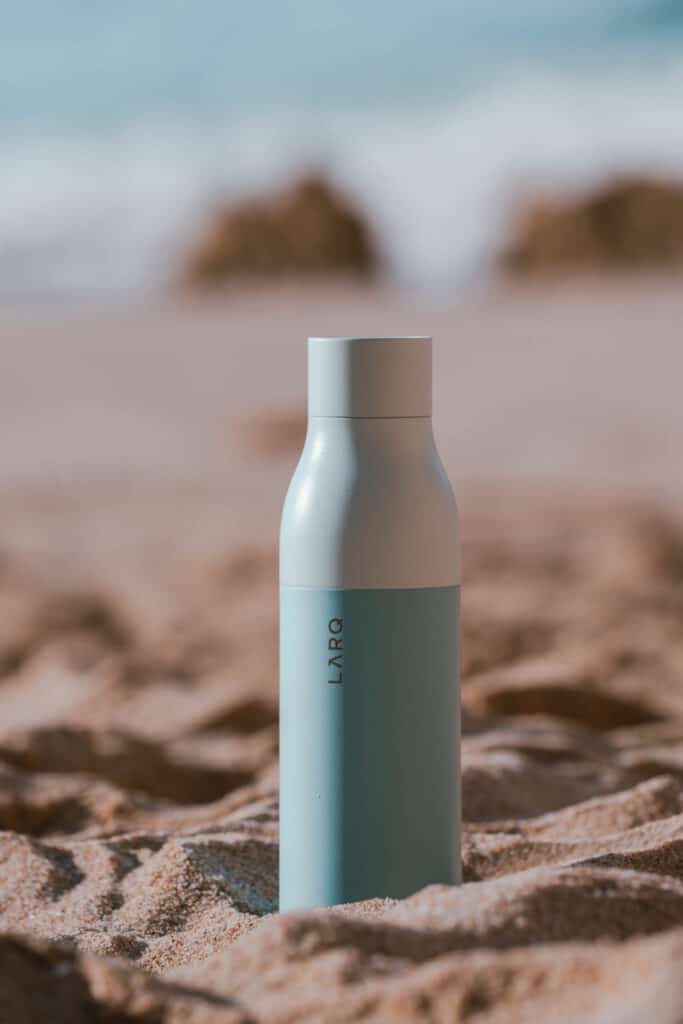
pixel 275 434
pixel 138 796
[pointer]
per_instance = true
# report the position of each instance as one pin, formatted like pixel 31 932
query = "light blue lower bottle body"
pixel 369 743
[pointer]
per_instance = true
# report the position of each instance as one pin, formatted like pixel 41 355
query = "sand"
pixel 143 456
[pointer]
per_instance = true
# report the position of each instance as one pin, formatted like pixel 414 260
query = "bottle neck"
pixel 396 437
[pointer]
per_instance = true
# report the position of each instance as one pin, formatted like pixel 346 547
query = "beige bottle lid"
pixel 370 377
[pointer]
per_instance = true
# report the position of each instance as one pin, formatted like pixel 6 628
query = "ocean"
pixel 121 127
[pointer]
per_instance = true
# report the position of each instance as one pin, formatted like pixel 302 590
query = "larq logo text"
pixel 335 647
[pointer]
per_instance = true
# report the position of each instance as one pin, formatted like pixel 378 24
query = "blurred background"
pixel 122 129
pixel 186 192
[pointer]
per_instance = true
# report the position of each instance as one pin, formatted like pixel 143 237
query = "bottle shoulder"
pixel 363 512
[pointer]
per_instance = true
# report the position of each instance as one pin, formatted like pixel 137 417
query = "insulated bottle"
pixel 369 635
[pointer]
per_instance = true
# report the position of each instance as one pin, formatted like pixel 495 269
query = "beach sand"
pixel 144 456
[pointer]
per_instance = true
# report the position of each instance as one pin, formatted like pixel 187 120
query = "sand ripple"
pixel 138 796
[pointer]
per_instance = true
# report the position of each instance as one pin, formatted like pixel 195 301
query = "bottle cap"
pixel 372 377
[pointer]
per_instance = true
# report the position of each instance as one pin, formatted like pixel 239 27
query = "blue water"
pixel 121 124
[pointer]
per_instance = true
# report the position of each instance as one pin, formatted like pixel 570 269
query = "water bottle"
pixel 369 635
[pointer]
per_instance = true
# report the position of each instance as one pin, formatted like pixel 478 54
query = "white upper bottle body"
pixel 369 505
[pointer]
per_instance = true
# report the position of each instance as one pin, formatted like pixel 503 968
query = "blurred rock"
pixel 630 222
pixel 309 228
